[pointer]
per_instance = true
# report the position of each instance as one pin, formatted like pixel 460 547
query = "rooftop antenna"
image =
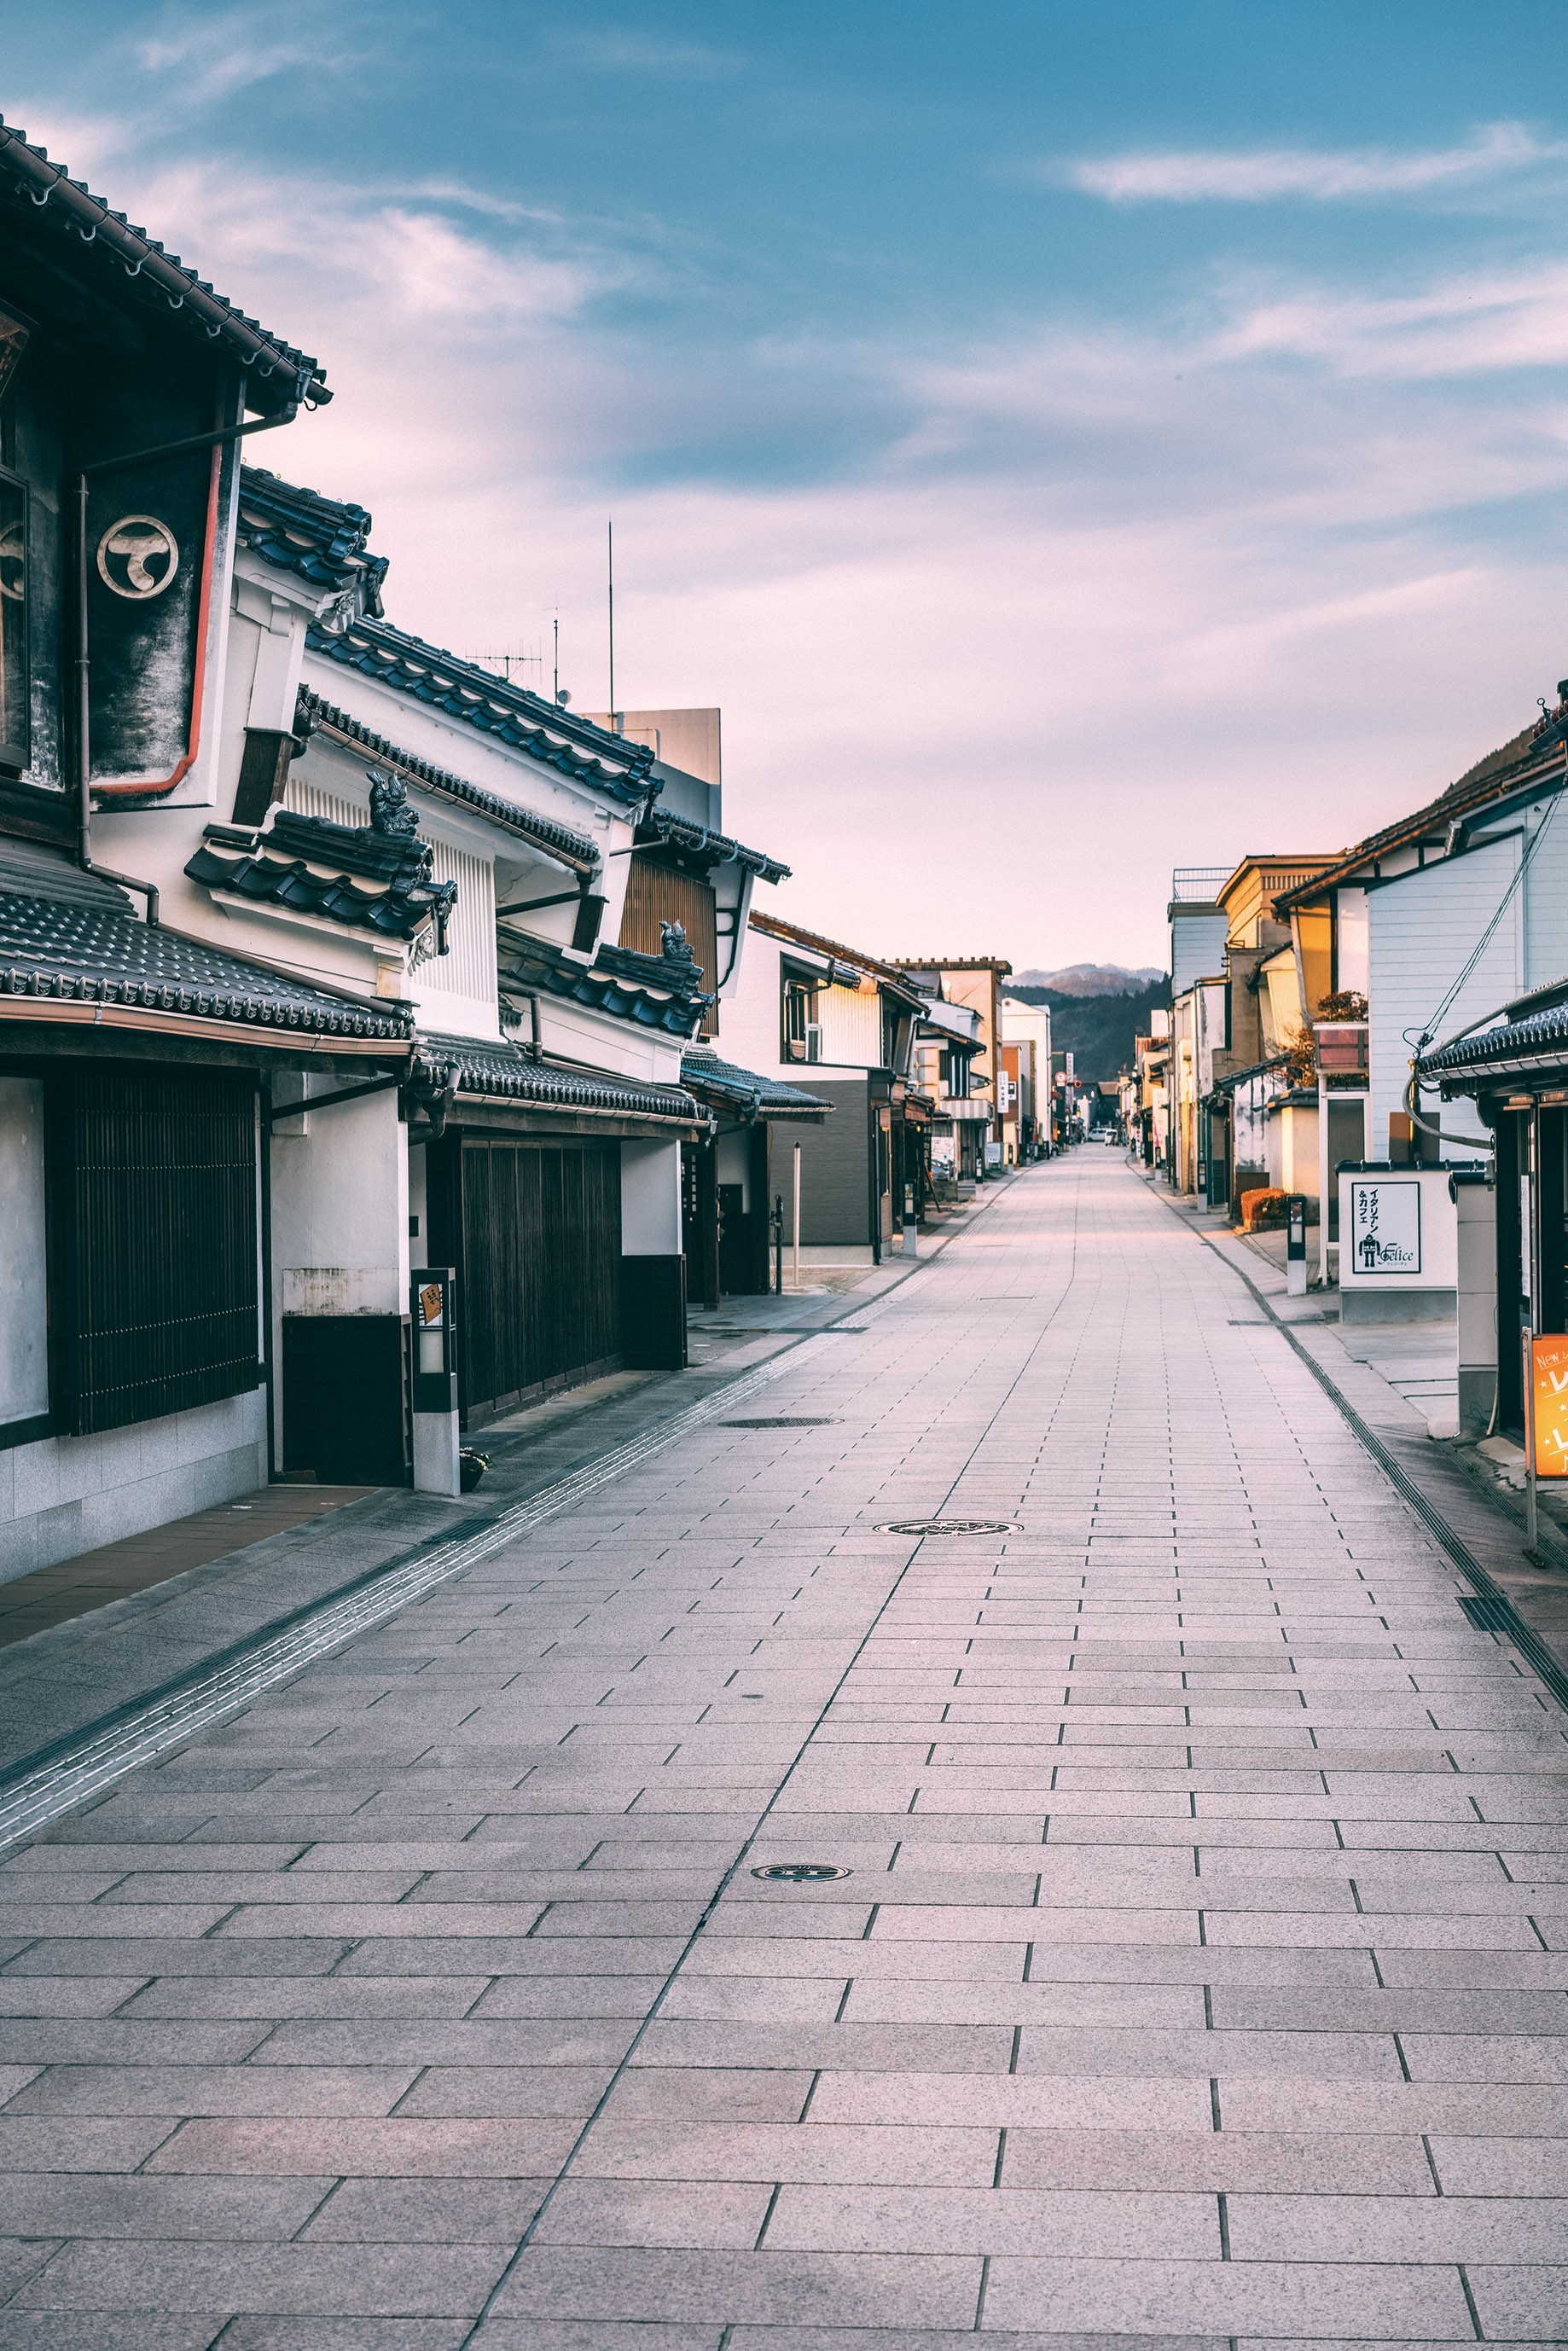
pixel 610 546
pixel 555 689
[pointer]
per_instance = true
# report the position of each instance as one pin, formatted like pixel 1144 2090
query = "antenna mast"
pixel 610 546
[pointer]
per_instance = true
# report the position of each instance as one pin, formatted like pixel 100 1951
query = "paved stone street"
pixel 1199 1978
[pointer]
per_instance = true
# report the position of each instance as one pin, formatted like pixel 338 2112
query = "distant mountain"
pixel 1097 1030
pixel 1089 980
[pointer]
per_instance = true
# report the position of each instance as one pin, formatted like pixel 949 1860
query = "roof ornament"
pixel 676 948
pixel 391 812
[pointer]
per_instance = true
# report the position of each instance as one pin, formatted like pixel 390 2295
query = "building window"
pixel 13 623
pixel 160 1215
pixel 802 1033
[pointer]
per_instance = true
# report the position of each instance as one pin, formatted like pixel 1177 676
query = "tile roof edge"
pixel 95 220
pixel 543 829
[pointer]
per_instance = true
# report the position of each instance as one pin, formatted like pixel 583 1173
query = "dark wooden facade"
pixel 660 891
pixel 533 1228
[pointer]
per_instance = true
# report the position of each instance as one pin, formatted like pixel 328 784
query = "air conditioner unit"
pixel 814 1042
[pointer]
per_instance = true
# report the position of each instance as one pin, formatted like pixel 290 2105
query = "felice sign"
pixel 1549 1406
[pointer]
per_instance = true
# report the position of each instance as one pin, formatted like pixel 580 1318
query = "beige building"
pixel 975 982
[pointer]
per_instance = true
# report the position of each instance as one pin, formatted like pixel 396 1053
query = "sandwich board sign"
pixel 1549 1406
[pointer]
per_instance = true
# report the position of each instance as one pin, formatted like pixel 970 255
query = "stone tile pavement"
pixel 1201 1976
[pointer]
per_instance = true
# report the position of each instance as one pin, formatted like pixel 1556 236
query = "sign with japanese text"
pixel 1548 1405
pixel 1386 1226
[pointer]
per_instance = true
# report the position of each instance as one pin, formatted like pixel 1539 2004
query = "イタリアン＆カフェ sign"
pixel 1384 1235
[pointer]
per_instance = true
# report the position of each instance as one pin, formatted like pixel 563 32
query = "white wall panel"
pixel 1422 929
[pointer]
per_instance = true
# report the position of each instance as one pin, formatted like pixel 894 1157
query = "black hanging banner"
pixel 149 534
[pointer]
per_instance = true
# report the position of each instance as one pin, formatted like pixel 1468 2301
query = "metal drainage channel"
pixel 815 1420
pixel 94 1761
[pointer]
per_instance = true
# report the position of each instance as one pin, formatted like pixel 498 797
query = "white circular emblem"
pixel 137 557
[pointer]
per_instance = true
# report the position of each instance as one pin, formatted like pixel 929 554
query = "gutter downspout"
pixel 215 441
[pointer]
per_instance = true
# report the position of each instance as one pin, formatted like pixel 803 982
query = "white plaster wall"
pixel 650 1199
pixel 64 1495
pixel 23 1328
pixel 733 1157
pixel 339 1209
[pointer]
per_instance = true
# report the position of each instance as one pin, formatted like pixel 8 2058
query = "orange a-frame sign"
pixel 1548 1405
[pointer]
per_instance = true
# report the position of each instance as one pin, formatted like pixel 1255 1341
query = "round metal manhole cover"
pixel 948 1527
pixel 782 1420
pixel 800 1873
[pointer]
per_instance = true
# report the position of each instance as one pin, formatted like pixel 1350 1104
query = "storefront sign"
pixel 1386 1226
pixel 1549 1406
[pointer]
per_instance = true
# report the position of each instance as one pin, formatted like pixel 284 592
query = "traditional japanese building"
pixel 138 1061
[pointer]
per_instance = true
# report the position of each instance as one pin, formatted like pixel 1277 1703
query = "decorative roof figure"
pixel 676 948
pixel 392 814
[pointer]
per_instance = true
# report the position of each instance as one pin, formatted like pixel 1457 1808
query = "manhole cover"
pixel 948 1527
pixel 801 1873
pixel 1491 1615
pixel 783 1421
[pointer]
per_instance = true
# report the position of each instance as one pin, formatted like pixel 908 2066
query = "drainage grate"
pixel 823 1420
pixel 801 1873
pixel 948 1527
pixel 1491 1615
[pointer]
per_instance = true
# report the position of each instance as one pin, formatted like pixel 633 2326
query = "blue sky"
pixel 1067 440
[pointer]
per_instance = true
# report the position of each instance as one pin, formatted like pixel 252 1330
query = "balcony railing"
pixel 1195 884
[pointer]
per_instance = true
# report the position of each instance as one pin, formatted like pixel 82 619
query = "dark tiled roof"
pixel 870 967
pixel 629 986
pixel 682 832
pixel 556 839
pixel 49 948
pixel 506 1073
pixel 731 1087
pixel 343 873
pixel 135 271
pixel 318 538
pixel 573 746
pixel 1487 780
pixel 1536 1036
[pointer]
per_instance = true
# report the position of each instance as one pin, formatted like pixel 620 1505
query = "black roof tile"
pixel 320 539
pixel 629 986
pixel 725 1083
pixel 343 873
pixel 53 947
pixel 506 1072
pixel 556 839
pixel 141 274
pixel 573 747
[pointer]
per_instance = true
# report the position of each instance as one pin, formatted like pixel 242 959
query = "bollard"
pixel 1296 1246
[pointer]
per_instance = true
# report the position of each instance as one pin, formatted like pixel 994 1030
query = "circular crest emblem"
pixel 137 557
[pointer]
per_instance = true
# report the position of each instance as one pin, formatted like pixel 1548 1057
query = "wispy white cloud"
pixel 646 53
pixel 1472 324
pixel 1268 174
pixel 208 57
